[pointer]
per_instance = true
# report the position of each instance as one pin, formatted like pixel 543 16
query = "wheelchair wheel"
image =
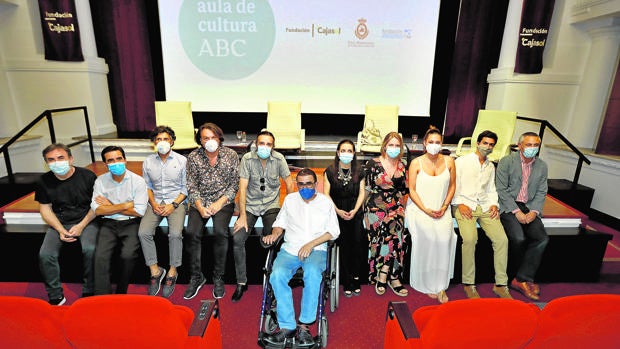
pixel 324 333
pixel 271 322
pixel 334 283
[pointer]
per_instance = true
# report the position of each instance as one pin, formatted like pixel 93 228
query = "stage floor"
pixel 558 217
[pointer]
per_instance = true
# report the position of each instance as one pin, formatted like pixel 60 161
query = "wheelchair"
pixel 328 292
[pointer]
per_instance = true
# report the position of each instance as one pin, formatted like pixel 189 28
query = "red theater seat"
pixel 477 323
pixel 583 321
pixel 110 321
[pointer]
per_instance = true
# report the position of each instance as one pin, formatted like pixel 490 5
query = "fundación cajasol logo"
pixel 227 40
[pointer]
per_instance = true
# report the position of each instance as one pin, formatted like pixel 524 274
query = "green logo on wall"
pixel 227 40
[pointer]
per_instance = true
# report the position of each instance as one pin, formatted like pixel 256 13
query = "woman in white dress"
pixel 433 241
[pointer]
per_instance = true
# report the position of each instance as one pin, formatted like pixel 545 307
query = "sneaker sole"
pixel 197 289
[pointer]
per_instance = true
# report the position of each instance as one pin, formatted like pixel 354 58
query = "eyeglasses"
pixel 262 187
pixel 305 184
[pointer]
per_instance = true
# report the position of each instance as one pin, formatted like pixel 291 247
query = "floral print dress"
pixel 384 217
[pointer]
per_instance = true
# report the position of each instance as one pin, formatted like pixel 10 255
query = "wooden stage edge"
pixel 553 208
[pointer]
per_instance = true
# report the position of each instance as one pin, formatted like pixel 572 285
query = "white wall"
pixel 29 84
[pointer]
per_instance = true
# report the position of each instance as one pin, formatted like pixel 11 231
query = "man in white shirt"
pixel 475 200
pixel 120 197
pixel 310 220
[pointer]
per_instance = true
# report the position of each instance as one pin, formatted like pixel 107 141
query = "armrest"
pixel 400 312
pixel 460 144
pixel 202 316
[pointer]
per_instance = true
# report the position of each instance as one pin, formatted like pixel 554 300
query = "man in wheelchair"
pixel 310 220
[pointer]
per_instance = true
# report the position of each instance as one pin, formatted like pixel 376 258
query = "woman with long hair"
pixel 432 182
pixel 344 184
pixel 384 216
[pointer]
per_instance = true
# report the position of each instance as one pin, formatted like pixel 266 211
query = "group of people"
pixel 504 199
pixel 202 186
pixel 369 209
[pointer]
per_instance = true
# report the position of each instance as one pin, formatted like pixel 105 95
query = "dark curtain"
pixel 476 52
pixel 608 141
pixel 122 35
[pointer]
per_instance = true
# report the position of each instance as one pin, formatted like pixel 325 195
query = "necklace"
pixel 344 175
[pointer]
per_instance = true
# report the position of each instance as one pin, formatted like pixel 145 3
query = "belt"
pixel 119 219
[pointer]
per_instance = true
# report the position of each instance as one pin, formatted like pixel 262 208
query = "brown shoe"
pixel 524 289
pixel 502 291
pixel 471 292
pixel 534 287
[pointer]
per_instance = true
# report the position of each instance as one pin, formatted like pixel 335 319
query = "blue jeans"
pixel 284 267
pixel 527 243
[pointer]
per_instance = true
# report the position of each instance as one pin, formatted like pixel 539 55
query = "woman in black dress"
pixel 344 183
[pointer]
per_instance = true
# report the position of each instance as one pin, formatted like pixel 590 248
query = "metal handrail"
pixel 48 115
pixel 582 158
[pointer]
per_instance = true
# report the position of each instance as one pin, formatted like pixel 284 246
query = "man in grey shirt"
pixel 259 196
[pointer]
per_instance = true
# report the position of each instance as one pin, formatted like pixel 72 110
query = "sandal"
pixel 442 297
pixel 347 291
pixel 380 286
pixel 356 286
pixel 398 289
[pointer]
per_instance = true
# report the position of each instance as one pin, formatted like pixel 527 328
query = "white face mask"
pixel 163 147
pixel 433 148
pixel 211 145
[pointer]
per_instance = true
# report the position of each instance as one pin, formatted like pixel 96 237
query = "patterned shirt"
pixel 209 183
pixel 166 179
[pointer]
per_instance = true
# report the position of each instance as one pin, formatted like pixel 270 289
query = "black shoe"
pixel 304 337
pixel 241 288
pixel 169 284
pixel 155 282
pixel 218 288
pixel 58 301
pixel 87 294
pixel 279 338
pixel 194 286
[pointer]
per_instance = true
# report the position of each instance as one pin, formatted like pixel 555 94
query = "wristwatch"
pixel 175 204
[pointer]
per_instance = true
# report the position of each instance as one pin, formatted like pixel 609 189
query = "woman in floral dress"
pixel 384 216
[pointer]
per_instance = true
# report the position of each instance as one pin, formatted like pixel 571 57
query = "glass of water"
pixel 239 135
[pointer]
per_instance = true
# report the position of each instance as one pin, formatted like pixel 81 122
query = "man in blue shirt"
pixel 164 173
pixel 120 197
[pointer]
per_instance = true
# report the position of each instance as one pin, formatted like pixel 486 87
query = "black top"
pixel 70 198
pixel 344 196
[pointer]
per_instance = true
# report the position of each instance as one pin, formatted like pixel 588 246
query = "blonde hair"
pixel 386 140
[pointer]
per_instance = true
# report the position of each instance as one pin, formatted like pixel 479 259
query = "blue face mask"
pixel 59 167
pixel 346 158
pixel 530 152
pixel 263 151
pixel 307 193
pixel 117 168
pixel 392 152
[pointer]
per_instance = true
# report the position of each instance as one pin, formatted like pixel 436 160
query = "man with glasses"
pixel 259 196
pixel 521 181
pixel 212 184
pixel 310 220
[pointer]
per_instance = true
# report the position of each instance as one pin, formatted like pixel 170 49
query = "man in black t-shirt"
pixel 64 195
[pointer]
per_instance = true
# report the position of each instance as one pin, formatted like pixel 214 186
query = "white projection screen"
pixel 334 56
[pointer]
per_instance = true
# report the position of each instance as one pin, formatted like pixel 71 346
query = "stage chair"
pixel 379 120
pixel 178 116
pixel 501 122
pixel 284 121
pixel 140 321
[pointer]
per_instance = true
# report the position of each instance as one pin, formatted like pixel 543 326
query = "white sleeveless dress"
pixel 433 241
